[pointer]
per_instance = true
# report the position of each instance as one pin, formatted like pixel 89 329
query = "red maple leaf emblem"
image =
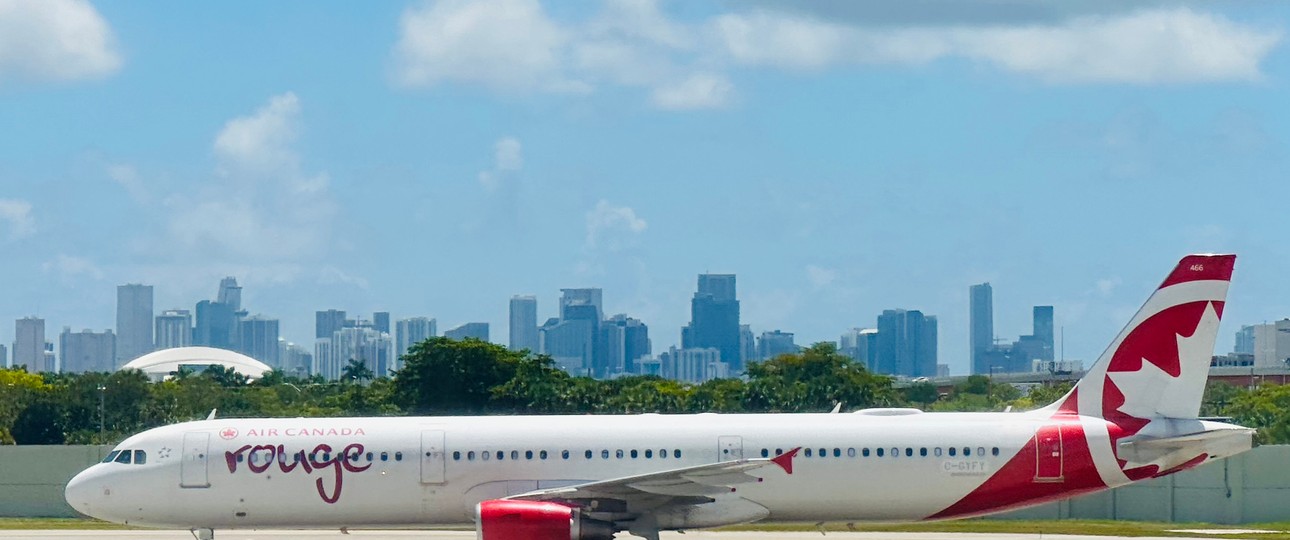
pixel 228 433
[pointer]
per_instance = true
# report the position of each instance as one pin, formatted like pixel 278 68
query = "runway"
pixel 464 535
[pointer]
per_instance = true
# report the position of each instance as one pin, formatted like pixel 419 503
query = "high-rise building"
pixel 1271 344
pixel 29 343
pixel 328 322
pixel 409 332
pixel 1043 329
pixel 571 339
pixel 747 345
pixel 258 338
pixel 714 319
pixel 524 327
pixel 861 344
pixel 582 297
pixel 477 330
pixel 774 343
pixel 174 329
pixel 693 365
pixel 381 321
pixel 1245 340
pixel 87 351
pixel 49 361
pixel 981 325
pixel 4 356
pixel 906 343
pixel 296 360
pixel 216 325
pixel 133 322
pixel 230 293
pixel 623 340
pixel 362 343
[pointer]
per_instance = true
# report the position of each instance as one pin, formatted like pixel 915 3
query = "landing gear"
pixel 203 534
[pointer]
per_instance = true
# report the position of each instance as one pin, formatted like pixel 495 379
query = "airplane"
pixel 1133 416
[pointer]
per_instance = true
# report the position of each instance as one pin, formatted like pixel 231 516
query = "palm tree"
pixel 356 371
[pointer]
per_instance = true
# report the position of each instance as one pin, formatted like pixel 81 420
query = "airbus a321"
pixel 1133 416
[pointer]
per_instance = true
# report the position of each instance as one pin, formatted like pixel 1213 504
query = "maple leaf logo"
pixel 228 433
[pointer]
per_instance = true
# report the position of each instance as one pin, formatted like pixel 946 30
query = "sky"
pixel 842 158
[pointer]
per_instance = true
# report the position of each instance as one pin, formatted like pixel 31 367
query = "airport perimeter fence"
pixel 1250 488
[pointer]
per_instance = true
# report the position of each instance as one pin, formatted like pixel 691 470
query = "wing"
pixel 632 496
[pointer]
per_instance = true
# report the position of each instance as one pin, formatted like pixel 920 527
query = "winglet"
pixel 785 460
pixel 211 416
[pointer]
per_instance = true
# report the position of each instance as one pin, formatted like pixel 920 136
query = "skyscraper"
pixel 774 343
pixel 1043 331
pixel 174 329
pixel 29 343
pixel 87 351
pixel 230 293
pixel 1245 340
pixel 714 319
pixel 907 343
pixel 133 322
pixel 861 344
pixel 363 343
pixel 215 325
pixel 582 297
pixel 523 327
pixel 258 338
pixel 981 326
pixel 623 340
pixel 381 321
pixel 477 330
pixel 328 322
pixel 571 339
pixel 409 332
pixel 747 345
pixel 4 356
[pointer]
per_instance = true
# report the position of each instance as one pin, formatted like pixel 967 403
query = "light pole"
pixel 102 390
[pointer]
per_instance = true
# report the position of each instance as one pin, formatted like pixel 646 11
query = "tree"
pixel 815 379
pixel 446 376
pixel 356 371
pixel 41 422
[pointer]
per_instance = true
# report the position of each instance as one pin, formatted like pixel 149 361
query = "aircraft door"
pixel 1048 453
pixel 730 448
pixel 432 457
pixel 192 470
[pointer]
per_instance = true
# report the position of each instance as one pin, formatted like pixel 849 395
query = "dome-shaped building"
pixel 166 363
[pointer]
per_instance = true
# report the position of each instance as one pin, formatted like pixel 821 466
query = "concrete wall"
pixel 32 478
pixel 1251 488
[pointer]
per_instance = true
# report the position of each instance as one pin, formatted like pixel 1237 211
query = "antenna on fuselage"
pixel 211 416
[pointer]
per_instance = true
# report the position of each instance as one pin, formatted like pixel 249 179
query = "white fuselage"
pixel 430 471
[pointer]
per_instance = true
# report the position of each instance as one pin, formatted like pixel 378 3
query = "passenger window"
pixel 456 456
pixel 851 452
pixel 588 454
pixel 112 456
pixel 564 454
pixel 650 453
pixel 633 454
pixel 604 454
pixel 485 454
pixel 967 451
pixel 895 452
pixel 837 452
pixel 937 451
pixel 824 452
pixel 994 451
pixel 501 455
pixel 952 451
pixel 385 456
pixel 398 456
pixel 125 457
pixel 240 457
pixel 515 454
pixel 765 452
pixel 369 456
pixel 922 452
pixel 528 454
pixel 909 452
pixel 470 456
pixel 619 453
pixel 864 452
pixel 662 453
pixel 542 454
pixel 778 451
pixel 808 452
pixel 140 457
pixel 879 452
pixel 327 456
pixel 676 454
pixel 980 451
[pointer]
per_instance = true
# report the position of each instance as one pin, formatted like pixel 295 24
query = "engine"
pixel 537 520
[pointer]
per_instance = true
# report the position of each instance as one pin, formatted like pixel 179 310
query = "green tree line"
pixel 441 376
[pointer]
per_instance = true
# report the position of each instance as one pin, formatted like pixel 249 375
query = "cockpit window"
pixel 111 457
pixel 140 457
pixel 124 457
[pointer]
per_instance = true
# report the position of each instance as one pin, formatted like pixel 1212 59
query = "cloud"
pixel 128 178
pixel 70 268
pixel 508 158
pixel 819 276
pixel 17 214
pixel 1143 47
pixel 259 205
pixel 700 91
pixel 607 220
pixel 55 40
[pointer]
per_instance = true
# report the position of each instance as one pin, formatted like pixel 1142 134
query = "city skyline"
pixel 905 155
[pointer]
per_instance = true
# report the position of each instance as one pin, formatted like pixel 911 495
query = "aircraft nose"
pixel 81 492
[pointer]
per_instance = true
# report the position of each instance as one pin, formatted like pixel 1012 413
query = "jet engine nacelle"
pixel 537 520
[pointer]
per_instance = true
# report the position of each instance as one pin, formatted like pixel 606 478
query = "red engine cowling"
pixel 536 520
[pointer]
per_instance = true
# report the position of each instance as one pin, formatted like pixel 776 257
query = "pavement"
pixel 464 535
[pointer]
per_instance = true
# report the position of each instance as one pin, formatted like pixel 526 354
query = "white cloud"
pixel 1144 47
pixel 508 45
pixel 260 205
pixel 17 213
pixel 508 158
pixel 700 91
pixel 128 178
pixel 820 276
pixel 607 220
pixel 55 40
pixel 70 268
